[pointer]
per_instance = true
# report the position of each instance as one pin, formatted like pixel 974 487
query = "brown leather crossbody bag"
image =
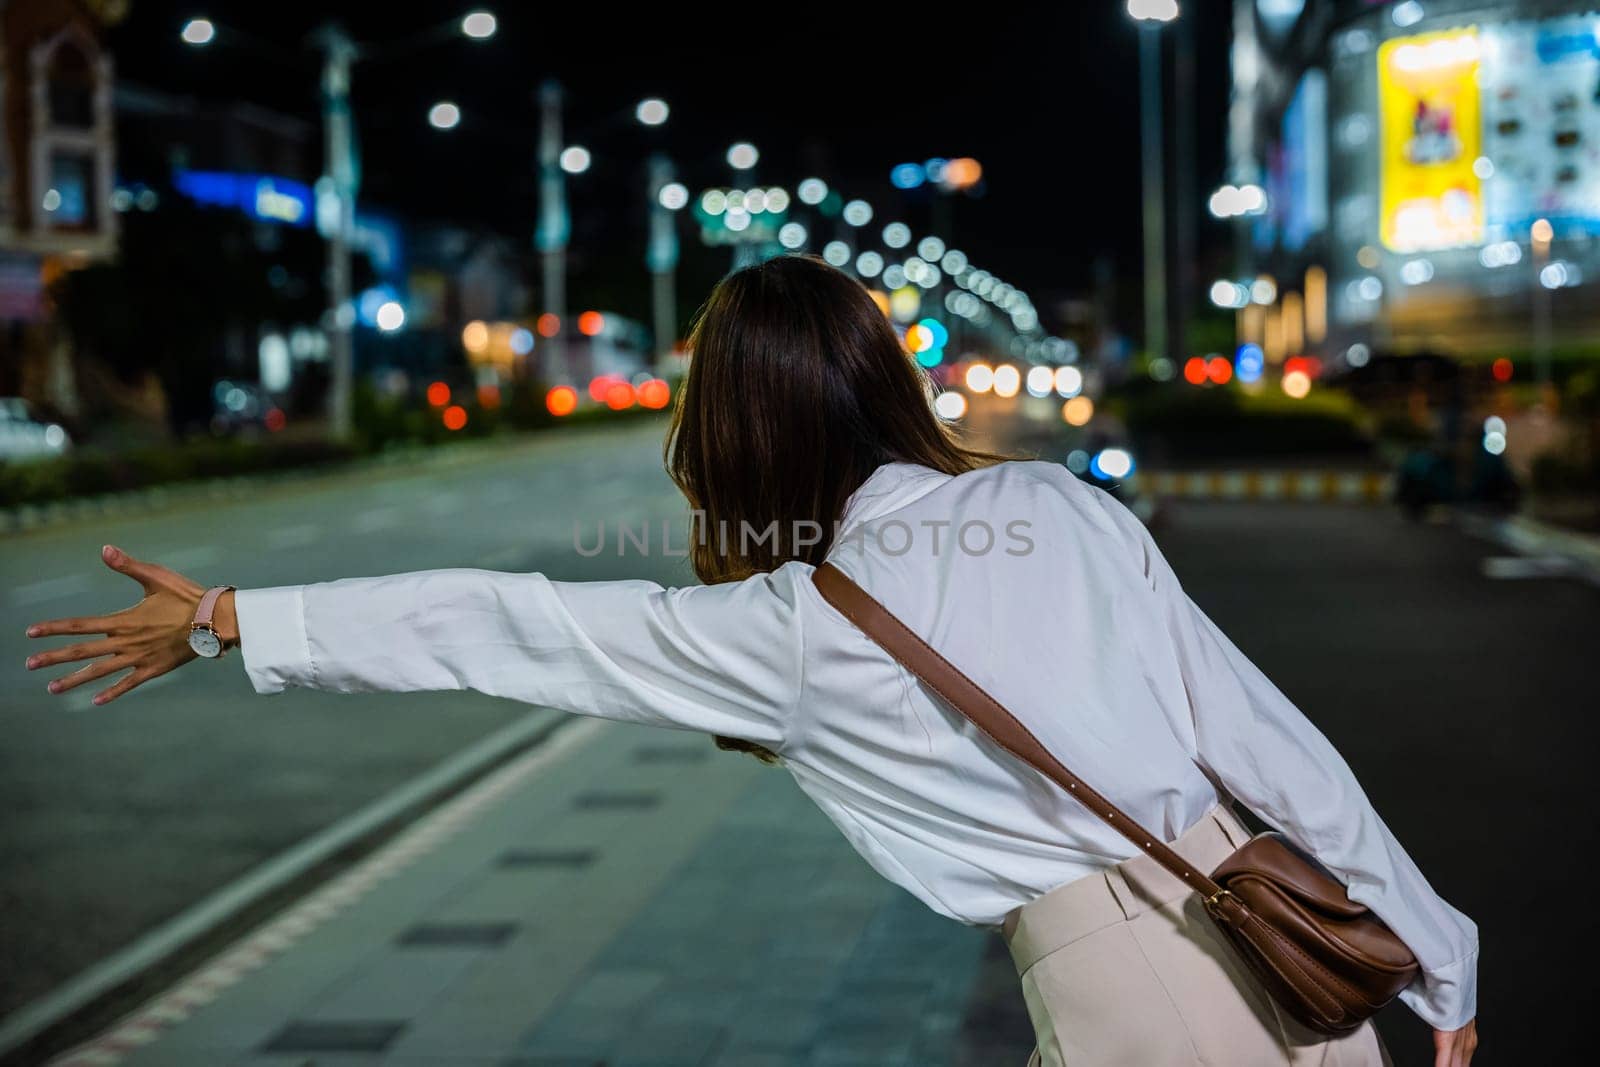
pixel 1327 960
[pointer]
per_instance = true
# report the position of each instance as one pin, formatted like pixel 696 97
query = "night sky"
pixel 1045 96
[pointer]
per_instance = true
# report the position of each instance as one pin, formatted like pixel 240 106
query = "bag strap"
pixel 988 715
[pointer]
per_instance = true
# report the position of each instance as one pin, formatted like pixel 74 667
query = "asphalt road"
pixel 1464 704
pixel 117 818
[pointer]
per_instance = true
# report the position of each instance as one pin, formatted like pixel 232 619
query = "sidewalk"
pixel 616 896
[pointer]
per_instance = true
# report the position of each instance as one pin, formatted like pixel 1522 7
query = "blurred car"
pixel 23 435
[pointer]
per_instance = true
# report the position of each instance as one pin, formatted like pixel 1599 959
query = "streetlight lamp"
pixel 1151 14
pixel 336 189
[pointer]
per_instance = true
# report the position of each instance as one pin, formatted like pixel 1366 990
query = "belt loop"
pixel 1120 891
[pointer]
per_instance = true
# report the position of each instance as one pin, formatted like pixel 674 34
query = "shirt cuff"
pixel 272 637
pixel 1446 997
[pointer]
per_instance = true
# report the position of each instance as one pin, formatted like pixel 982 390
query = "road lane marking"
pixel 49 589
pixel 293 536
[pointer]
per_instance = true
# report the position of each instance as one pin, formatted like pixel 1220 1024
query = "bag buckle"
pixel 1214 902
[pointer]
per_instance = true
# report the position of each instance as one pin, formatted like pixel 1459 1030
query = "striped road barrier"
pixel 1360 487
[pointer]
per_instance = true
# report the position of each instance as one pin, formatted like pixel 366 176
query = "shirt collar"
pixel 888 489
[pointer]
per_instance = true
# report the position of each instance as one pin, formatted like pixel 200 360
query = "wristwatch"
pixel 203 636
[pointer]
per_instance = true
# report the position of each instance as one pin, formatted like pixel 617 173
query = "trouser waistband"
pixel 1122 892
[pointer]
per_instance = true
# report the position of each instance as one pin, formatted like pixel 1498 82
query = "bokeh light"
pixel 455 417
pixel 1007 380
pixel 950 405
pixel 591 323
pixel 1297 383
pixel 674 196
pixel 562 400
pixel 619 396
pixel 980 378
pixel 479 25
pixel 444 116
pixel 654 394
pixel 858 213
pixel 1077 411
pixel 575 159
pixel 652 111
pixel 475 337
pixel 438 394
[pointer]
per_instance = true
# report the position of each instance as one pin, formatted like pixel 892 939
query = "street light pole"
pixel 662 260
pixel 1150 14
pixel 1155 236
pixel 340 176
pixel 555 226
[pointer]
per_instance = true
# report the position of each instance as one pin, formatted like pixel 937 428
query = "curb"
pixel 1364 487
pixel 26 1032
pixel 26 518
pixel 1580 553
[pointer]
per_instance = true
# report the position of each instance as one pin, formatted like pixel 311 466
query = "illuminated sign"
pixel 1432 196
pixel 261 196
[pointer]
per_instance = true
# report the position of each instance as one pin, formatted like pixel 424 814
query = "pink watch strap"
pixel 208 604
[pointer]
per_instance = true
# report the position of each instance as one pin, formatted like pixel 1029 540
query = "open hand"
pixel 152 636
pixel 1454 1048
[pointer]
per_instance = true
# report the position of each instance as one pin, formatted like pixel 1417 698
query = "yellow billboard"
pixel 1432 196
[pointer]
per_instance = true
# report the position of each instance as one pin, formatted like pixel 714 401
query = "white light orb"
pixel 479 25
pixel 652 111
pixel 792 236
pixel 575 159
pixel 391 316
pixel 743 156
pixel 198 32
pixel 813 191
pixel 858 213
pixel 444 116
pixel 674 196
pixel 950 406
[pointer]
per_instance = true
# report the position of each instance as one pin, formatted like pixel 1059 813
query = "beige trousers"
pixel 1125 969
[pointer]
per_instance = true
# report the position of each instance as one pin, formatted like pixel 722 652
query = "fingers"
pixel 125 683
pixel 84 624
pixel 98 669
pixel 70 653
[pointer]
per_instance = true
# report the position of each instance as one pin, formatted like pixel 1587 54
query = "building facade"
pixel 1431 171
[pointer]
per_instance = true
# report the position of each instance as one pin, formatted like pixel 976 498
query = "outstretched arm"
pixel 721 659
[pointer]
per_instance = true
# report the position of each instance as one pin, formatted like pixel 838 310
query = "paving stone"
pixel 565 859
pixel 458 935
pixel 352 1035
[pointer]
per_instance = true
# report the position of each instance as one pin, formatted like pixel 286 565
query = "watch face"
pixel 205 643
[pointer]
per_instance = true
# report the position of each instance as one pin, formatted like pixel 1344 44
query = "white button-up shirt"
pixel 1046 591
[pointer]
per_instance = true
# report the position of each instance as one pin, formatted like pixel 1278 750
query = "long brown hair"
pixel 798 389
